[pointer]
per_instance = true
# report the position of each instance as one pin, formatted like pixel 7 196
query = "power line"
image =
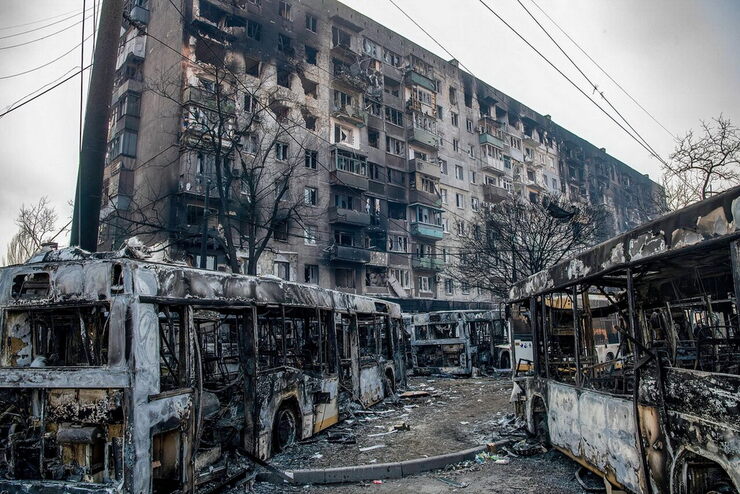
pixel 4 28
pixel 602 69
pixel 541 55
pixel 593 85
pixel 43 37
pixel 39 28
pixel 44 92
pixel 568 79
pixel 45 64
pixel 11 105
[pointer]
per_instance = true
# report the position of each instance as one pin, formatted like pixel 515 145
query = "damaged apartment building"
pixel 398 147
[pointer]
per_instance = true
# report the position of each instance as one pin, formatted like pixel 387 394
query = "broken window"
pixel 252 66
pixel 311 55
pixel 368 335
pixel 63 337
pixel 283 77
pixel 173 349
pixel 285 44
pixel 340 38
pixel 311 274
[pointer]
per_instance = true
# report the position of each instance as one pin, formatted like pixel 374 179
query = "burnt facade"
pixel 401 147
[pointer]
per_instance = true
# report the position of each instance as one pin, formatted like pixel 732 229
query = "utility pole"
pixel 86 216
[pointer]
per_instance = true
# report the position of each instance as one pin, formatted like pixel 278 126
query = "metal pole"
pixel 577 336
pixel 86 216
pixel 204 234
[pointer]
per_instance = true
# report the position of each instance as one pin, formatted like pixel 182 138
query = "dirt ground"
pixel 456 414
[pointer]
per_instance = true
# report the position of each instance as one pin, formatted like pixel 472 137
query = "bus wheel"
pixel 284 429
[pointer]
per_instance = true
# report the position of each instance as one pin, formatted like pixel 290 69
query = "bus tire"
pixel 284 428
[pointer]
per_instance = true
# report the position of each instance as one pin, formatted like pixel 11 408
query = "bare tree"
pixel 514 238
pixel 704 164
pixel 36 224
pixel 242 149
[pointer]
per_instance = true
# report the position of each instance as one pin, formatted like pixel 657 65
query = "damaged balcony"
pixel 207 99
pixel 347 253
pixel 351 114
pixel 422 197
pixel 349 217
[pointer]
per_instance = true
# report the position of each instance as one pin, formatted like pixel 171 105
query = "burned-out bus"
pixel 457 341
pixel 662 415
pixel 123 375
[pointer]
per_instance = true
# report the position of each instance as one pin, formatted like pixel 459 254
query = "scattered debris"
pixel 453 483
pixel 370 448
pixel 402 427
pixel 414 394
pixel 528 447
pixel 377 482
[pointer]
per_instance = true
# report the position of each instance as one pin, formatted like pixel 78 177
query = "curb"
pixel 377 471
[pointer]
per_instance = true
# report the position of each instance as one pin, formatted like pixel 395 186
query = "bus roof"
pixel 709 222
pixel 78 276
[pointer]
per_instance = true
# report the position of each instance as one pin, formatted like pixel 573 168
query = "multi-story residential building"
pixel 405 146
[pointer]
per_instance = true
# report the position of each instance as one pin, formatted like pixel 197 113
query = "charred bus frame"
pixel 662 416
pixel 458 341
pixel 122 375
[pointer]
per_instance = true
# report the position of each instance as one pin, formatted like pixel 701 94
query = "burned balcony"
pixel 348 253
pixel 423 137
pixel 208 99
pixel 352 114
pixel 425 167
pixel 426 230
pixel 349 217
pixel 350 76
pixel 427 263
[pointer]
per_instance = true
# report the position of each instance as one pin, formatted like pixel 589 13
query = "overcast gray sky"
pixel 678 58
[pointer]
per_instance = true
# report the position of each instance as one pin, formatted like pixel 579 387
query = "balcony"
pixel 344 77
pixel 207 99
pixel 396 193
pixel 425 230
pixel 344 50
pixel 126 122
pixel 531 139
pixel 413 77
pixel 493 165
pixel 133 48
pixel 348 179
pixel 494 194
pixel 139 14
pixel 378 258
pixel 347 253
pixel 486 138
pixel 423 138
pixel 351 114
pixel 425 167
pixel 422 197
pixel 428 263
pixel 348 217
